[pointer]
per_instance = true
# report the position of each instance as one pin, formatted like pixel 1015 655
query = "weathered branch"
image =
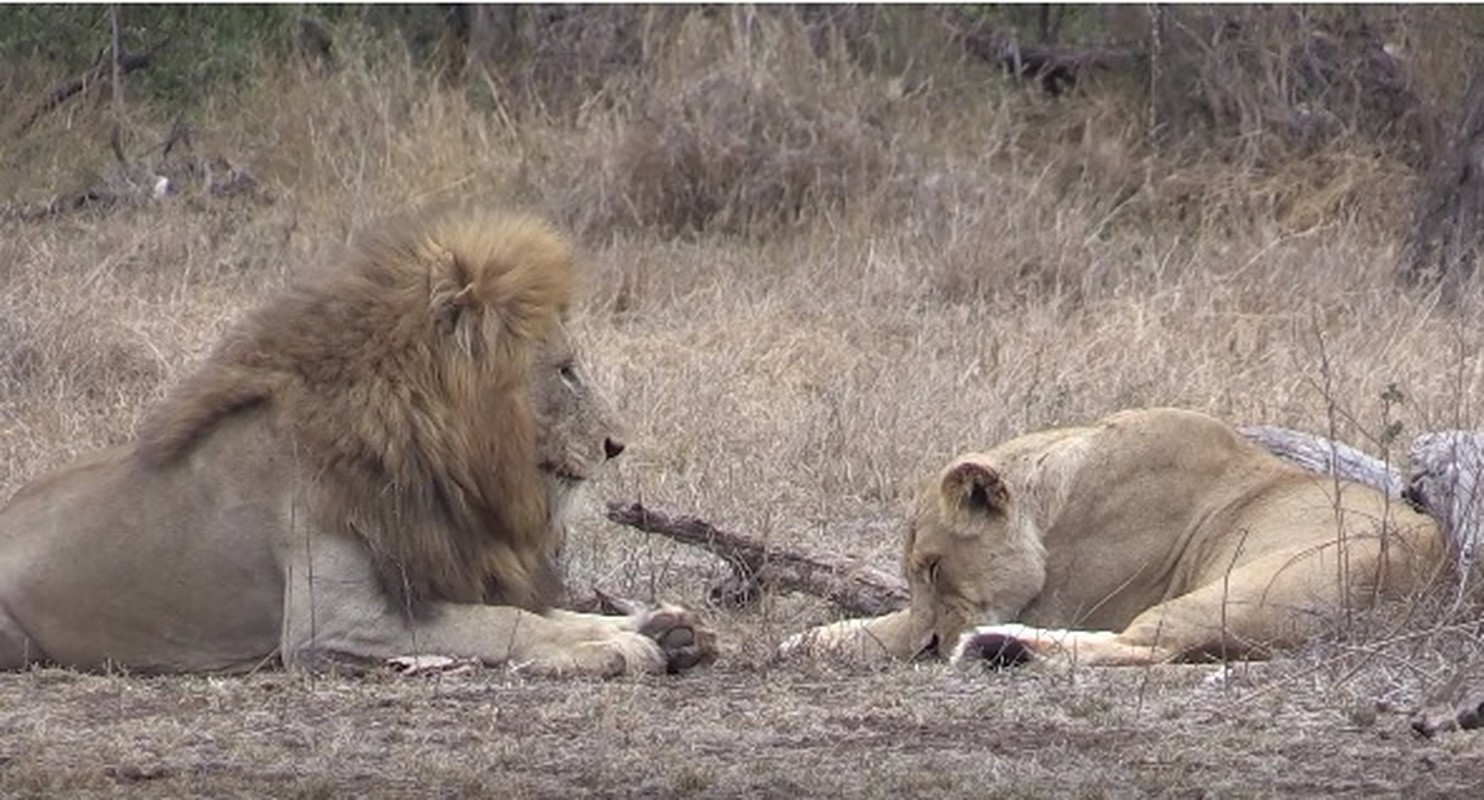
pixel 1444 479
pixel 1058 68
pixel 1442 475
pixel 1318 454
pixel 64 91
pixel 856 587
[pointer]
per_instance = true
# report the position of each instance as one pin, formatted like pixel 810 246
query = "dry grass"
pixel 861 303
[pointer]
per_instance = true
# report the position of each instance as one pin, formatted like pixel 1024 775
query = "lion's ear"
pixel 975 488
pixel 454 301
pixel 509 278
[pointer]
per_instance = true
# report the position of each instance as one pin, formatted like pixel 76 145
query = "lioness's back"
pixel 1158 502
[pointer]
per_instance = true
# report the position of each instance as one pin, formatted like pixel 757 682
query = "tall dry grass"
pixel 810 283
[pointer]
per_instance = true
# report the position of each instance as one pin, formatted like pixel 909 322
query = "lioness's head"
pixel 971 557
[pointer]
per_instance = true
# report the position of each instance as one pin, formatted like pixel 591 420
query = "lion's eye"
pixel 568 373
pixel 932 570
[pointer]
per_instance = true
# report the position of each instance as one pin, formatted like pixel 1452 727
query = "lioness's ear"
pixel 974 488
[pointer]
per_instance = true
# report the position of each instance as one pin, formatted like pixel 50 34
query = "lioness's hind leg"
pixel 1274 601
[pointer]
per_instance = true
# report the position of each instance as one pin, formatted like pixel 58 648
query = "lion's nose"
pixel 612 448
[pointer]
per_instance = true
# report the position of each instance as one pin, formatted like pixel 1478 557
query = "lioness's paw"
pixel 794 645
pixel 997 646
pixel 685 640
pixel 839 639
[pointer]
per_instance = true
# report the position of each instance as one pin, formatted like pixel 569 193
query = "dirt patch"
pixel 739 730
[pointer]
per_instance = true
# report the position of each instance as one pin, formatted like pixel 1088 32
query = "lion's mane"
pixel 400 377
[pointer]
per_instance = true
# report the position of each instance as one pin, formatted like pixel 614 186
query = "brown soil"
pixel 738 729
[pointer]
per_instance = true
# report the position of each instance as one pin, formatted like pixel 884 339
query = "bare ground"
pixel 755 729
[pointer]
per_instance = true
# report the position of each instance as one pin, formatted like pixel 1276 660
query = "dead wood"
pixel 124 64
pixel 1444 480
pixel 1457 705
pixel 1056 68
pixel 856 587
pixel 1318 454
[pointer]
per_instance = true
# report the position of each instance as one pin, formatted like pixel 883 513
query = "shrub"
pixel 752 139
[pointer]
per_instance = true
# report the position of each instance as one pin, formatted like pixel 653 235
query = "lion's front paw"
pixel 686 640
pixel 617 653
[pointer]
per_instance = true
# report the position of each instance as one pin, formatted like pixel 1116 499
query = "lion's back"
pixel 158 568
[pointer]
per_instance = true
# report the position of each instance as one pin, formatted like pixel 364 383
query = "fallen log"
pixel 1057 69
pixel 1327 457
pixel 1444 480
pixel 856 587
pixel 1457 705
pixel 120 66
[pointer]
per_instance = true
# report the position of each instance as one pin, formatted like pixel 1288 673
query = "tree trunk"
pixel 116 18
pixel 1442 249
pixel 494 43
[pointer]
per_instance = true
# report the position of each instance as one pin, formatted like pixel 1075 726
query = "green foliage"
pixel 207 48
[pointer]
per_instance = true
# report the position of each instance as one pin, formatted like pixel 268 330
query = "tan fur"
pixel 1152 535
pixel 414 414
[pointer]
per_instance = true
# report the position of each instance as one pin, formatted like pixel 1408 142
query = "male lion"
pixel 1157 534
pixel 373 464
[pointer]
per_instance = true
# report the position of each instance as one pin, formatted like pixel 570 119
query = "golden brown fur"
pixel 393 437
pixel 1151 535
pixel 430 459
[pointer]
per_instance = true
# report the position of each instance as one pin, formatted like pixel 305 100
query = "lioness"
pixel 1149 536
pixel 372 464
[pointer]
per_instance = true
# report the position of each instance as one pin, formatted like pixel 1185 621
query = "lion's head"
pixel 972 556
pixel 429 381
pixel 575 433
